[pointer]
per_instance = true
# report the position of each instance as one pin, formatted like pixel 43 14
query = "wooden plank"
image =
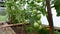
pixel 7 30
pixel 5 26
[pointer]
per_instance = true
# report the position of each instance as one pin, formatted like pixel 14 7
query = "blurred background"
pixel 3 13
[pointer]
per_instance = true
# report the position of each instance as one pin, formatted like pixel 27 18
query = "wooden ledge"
pixel 20 24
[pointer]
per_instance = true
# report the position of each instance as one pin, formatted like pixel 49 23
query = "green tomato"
pixel 38 1
pixel 36 25
pixel 34 11
pixel 39 22
pixel 40 27
pixel 38 16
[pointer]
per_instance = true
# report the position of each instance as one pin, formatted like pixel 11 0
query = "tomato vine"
pixel 28 11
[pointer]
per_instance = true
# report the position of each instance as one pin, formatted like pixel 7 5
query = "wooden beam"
pixel 19 24
pixel 7 30
pixel 10 25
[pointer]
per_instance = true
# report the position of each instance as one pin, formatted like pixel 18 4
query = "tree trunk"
pixel 49 17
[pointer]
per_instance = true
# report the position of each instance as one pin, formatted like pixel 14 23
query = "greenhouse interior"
pixel 29 16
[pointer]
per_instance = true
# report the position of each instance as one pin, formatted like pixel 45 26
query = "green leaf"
pixel 57 7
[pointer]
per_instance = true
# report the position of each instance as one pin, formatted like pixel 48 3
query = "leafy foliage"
pixel 57 6
pixel 56 32
pixel 29 11
pixel 44 31
pixel 26 11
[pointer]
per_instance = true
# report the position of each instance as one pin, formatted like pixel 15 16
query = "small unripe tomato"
pixel 38 16
pixel 40 27
pixel 39 22
pixel 34 11
pixel 36 25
